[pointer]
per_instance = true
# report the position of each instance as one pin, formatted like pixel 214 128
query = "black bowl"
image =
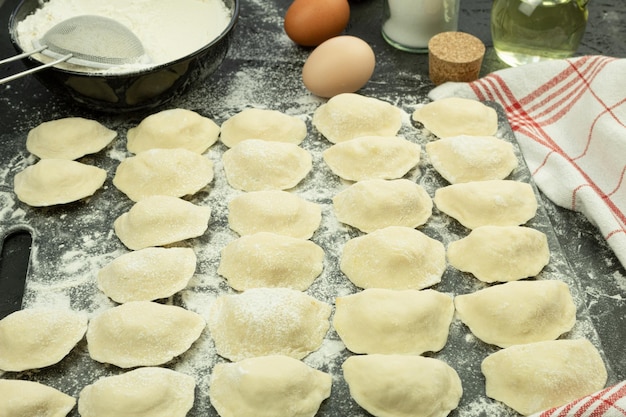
pixel 130 91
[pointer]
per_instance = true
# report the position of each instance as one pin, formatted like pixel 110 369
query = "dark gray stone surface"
pixel 262 53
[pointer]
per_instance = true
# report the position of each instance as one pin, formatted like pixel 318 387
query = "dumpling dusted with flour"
pixel 453 116
pixel 57 181
pixel 518 312
pixel 372 157
pixel 147 392
pixel 38 337
pixel 488 203
pixel 402 385
pixel 142 333
pixel 160 220
pixel 147 274
pixel 408 322
pixel 68 138
pixel 173 128
pixel 349 115
pixel 268 386
pixel 369 205
pixel 274 211
pixel 255 165
pixel 265 124
pixel 173 172
pixel 271 260
pixel 472 158
pixel 268 321
pixel 395 257
pixel 501 253
pixel 554 373
pixel 26 398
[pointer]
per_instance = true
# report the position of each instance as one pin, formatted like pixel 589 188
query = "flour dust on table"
pixel 81 240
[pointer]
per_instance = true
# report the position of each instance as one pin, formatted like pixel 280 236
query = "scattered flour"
pixel 80 241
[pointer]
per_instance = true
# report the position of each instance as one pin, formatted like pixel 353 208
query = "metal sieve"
pixel 87 40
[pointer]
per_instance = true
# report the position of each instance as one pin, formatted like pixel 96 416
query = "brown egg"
pixel 342 64
pixel 311 22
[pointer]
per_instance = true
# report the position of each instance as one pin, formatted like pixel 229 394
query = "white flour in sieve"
pixel 168 29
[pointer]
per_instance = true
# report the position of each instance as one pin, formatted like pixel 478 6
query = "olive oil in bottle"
pixel 525 31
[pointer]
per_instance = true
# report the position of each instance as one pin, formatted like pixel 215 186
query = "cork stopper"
pixel 454 56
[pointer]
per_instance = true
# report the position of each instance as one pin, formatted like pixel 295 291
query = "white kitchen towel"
pixel 569 117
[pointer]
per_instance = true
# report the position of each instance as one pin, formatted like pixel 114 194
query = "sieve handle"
pixel 23 55
pixel 32 70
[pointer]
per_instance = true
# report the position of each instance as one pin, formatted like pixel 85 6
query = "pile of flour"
pixel 168 29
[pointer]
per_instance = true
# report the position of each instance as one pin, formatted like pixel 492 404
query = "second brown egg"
pixel 311 22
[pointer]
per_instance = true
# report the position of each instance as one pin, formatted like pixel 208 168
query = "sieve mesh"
pixel 93 40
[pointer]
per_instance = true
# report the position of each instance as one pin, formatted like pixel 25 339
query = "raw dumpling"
pixel 147 274
pixel 372 157
pixel 485 203
pixel 518 312
pixel 142 333
pixel 472 158
pixel 274 211
pixel 161 220
pixel 32 399
pixel 265 124
pixel 57 181
pixel 68 138
pixel 553 373
pixel 268 321
pixel 143 392
pixel 271 260
pixel 174 172
pixel 500 253
pixel 255 165
pixel 454 116
pixel 370 205
pixel 347 116
pixel 38 337
pixel 391 321
pixel 268 386
pixel 403 385
pixel 173 128
pixel 395 257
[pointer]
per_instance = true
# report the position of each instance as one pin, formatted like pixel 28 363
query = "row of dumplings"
pixel 287 323
pixel 234 316
pixel 40 337
pixel 284 325
pixel 57 177
pixel 267 328
pixel 524 318
pixel 143 334
pixel 386 321
pixel 365 367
